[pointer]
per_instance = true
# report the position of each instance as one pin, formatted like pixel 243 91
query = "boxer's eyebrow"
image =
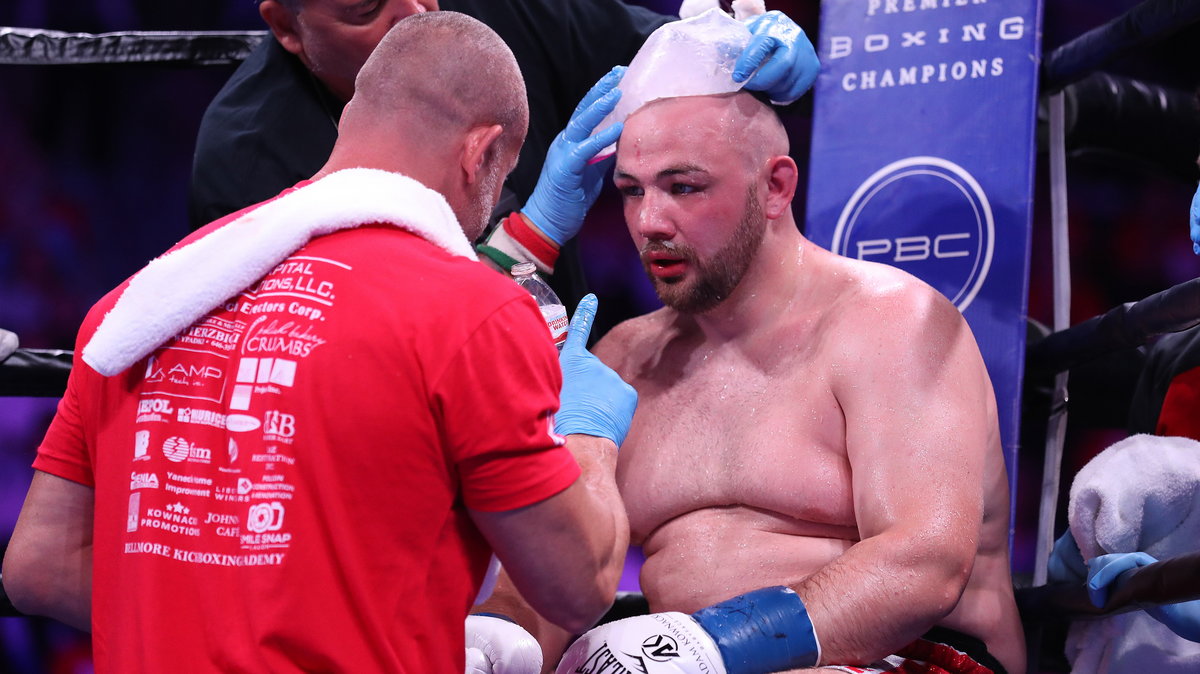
pixel 680 170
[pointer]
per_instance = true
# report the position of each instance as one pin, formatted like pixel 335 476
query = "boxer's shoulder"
pixel 871 286
pixel 886 305
pixel 634 340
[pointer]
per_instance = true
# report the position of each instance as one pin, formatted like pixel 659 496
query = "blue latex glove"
pixel 1066 562
pixel 786 61
pixel 1195 222
pixel 1104 573
pixel 594 399
pixel 569 183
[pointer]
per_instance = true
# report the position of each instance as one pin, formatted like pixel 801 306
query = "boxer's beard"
pixel 711 281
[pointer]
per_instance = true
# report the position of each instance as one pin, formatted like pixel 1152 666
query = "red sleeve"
pixel 63 451
pixel 496 400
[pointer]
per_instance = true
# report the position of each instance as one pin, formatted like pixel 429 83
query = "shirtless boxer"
pixel 806 422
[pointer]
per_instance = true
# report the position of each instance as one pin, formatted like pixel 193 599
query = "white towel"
pixel 1140 494
pixel 177 289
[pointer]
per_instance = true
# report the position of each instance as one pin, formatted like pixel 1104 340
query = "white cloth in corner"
pixel 177 289
pixel 1140 494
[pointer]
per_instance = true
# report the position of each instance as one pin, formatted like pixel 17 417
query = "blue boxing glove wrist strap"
pixel 766 630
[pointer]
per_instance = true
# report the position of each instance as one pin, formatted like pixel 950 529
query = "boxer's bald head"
pixel 441 95
pixel 737 124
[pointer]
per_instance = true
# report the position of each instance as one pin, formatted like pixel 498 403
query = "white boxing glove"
pixel 497 646
pixel 659 643
pixel 477 662
pixel 765 630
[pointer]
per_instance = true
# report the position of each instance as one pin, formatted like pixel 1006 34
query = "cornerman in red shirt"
pixel 294 442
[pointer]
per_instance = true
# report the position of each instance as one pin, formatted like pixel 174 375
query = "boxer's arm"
pixel 919 420
pixel 48 564
pixel 565 554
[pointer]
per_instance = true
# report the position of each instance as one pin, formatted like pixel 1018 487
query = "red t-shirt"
pixel 283 487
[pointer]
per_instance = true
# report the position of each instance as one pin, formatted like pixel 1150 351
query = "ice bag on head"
pixel 691 57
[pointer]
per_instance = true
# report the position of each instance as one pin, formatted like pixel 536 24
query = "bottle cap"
pixel 523 269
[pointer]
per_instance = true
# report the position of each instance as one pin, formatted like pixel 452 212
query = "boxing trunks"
pixel 940 651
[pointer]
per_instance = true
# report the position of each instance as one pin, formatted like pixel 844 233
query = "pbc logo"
pixel 660 648
pixel 927 216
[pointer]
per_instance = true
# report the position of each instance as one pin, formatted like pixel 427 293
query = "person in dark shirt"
pixel 275 121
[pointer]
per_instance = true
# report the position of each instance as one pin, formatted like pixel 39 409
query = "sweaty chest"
pixel 715 432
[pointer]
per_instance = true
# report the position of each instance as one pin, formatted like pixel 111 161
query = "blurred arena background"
pixel 95 162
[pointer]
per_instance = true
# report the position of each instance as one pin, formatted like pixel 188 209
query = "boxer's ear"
pixel 781 177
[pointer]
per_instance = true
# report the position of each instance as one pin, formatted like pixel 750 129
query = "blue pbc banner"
pixel 923 153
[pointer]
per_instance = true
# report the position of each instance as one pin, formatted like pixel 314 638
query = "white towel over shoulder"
pixel 177 289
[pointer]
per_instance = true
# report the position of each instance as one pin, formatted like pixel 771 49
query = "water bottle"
pixel 525 274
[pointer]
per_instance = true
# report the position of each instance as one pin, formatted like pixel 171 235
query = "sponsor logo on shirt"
pixel 178 450
pixel 143 481
pixel 265 517
pixel 189 485
pixel 227 525
pixel 180 373
pixel 191 415
pixel 261 375
pixel 175 518
pixel 273 487
pixel 263 521
pixel 154 409
pixel 273 456
pixel 185 372
pixel 279 427
pixel 135 511
pixel 241 423
pixel 213 332
pixel 237 493
pixel 141 446
pixel 284 337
